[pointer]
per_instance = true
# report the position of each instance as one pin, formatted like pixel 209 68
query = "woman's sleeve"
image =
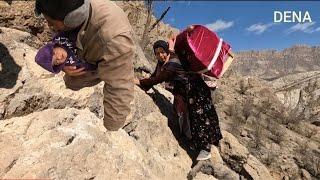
pixel 155 71
pixel 147 83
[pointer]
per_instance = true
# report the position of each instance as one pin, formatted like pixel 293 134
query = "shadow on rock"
pixel 166 109
pixel 9 70
pixel 9 1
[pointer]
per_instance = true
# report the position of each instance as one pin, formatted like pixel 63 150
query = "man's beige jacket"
pixel 106 37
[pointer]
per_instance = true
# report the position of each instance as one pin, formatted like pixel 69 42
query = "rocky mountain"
pixel 271 64
pixel 266 121
pixel 270 127
pixel 48 131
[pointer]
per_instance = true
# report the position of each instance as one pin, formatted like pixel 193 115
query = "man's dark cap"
pixel 56 9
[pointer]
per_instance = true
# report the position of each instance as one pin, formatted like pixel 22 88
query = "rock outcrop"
pixel 264 120
pixel 271 128
pixel 48 131
pixel 272 64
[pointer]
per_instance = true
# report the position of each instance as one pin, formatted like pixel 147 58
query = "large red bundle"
pixel 203 51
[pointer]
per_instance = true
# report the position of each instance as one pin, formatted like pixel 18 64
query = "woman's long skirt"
pixel 204 121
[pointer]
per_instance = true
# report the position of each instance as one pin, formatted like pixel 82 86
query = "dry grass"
pixel 308 159
pixel 270 158
pixel 258 135
pixel 277 133
pixel 243 86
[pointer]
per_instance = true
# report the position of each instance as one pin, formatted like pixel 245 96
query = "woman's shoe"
pixel 203 155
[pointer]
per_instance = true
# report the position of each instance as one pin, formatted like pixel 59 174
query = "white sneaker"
pixel 203 155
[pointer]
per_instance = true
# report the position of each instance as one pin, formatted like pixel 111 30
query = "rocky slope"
pixel 284 138
pixel 48 131
pixel 265 136
pixel 41 119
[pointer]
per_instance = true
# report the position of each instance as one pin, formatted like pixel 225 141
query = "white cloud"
pixel 303 27
pixel 219 25
pixel 259 28
pixel 172 20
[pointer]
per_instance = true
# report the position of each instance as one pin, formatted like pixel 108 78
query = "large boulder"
pixel 31 87
pixel 73 144
pixel 240 160
pixel 48 131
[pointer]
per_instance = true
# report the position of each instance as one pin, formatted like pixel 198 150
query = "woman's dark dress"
pixel 192 103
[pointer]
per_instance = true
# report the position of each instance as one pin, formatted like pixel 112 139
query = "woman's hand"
pixel 190 28
pixel 136 81
pixel 172 42
pixel 211 84
pixel 210 81
pixel 73 71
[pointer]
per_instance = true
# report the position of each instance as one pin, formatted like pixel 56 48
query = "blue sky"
pixel 247 25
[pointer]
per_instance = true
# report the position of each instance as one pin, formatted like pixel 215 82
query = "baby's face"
pixel 59 56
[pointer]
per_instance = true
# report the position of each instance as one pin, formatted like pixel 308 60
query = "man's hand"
pixel 73 71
